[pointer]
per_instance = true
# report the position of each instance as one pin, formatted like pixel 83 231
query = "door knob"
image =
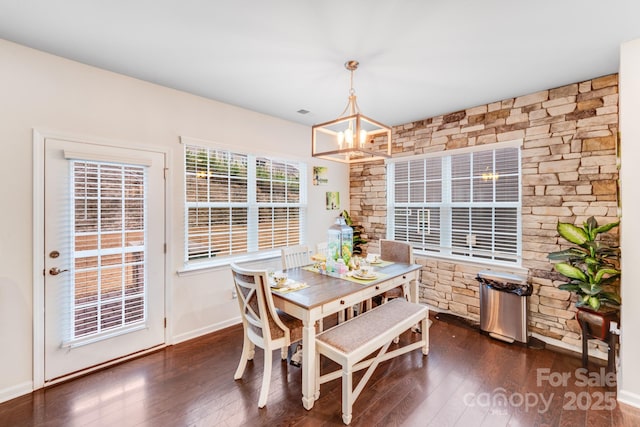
pixel 54 271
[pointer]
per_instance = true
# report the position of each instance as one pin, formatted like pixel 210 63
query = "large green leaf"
pixel 571 287
pixel 591 289
pixel 608 271
pixel 606 227
pixel 610 297
pixel 589 225
pixel 572 233
pixel 571 254
pixel 594 302
pixel 570 271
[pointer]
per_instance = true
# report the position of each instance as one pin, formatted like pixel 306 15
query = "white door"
pixel 104 254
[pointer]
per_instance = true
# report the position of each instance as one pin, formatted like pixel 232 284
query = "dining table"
pixel 324 294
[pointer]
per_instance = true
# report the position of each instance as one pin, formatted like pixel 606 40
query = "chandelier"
pixel 352 137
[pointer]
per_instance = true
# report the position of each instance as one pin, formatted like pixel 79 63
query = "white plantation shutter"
pixel 466 204
pixel 217 204
pixel 418 198
pixel 109 272
pixel 239 203
pixel 278 200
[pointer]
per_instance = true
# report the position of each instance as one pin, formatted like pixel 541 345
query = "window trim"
pixel 212 264
pixel 445 253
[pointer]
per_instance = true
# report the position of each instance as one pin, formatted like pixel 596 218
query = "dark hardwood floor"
pixel 467 380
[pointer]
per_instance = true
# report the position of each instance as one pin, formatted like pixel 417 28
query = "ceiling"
pixel 418 58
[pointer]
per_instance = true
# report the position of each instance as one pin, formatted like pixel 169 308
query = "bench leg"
pixel 425 335
pixel 347 388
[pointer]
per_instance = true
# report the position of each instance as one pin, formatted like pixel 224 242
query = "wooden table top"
pixel 324 288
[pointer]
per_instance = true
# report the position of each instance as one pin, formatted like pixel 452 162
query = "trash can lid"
pixel 502 276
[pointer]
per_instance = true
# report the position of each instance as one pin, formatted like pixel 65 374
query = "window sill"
pixel 512 268
pixel 203 267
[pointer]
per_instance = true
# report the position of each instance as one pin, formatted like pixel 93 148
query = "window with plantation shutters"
pixel 462 204
pixel 237 203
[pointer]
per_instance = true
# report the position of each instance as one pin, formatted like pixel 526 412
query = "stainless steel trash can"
pixel 503 305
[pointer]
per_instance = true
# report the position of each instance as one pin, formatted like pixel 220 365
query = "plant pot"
pixel 597 322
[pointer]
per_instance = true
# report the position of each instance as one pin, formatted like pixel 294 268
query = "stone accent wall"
pixel 569 173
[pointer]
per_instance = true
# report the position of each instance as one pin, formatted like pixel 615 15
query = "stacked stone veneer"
pixel 569 173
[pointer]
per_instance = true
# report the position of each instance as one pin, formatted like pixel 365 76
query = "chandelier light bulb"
pixel 340 139
pixel 348 136
pixel 363 137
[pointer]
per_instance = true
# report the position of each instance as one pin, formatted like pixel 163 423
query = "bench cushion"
pixel 357 332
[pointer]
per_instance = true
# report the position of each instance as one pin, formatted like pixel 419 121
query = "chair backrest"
pixel 321 248
pixel 259 315
pixel 295 256
pixel 392 250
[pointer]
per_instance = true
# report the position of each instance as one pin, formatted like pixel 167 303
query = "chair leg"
pixel 284 352
pixel 317 362
pixel 266 378
pixel 248 350
pixel 295 357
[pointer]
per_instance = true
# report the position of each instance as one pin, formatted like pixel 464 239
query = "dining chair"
pixel 298 256
pixel 393 250
pixel 264 326
pixel 322 247
pixel 295 256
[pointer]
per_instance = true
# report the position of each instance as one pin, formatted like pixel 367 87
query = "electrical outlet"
pixel 234 295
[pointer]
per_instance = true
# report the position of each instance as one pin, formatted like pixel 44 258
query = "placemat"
pixel 349 276
pixel 381 264
pixel 290 288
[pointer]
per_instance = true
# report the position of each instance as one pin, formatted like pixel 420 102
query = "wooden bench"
pixel 350 342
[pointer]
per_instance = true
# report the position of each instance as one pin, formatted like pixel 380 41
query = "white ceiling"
pixel 418 58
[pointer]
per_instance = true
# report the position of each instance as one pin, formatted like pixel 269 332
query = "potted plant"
pixel 358 241
pixel 592 267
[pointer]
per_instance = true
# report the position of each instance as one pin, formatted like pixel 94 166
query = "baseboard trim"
pixel 629 398
pixel 16 391
pixel 593 352
pixel 206 330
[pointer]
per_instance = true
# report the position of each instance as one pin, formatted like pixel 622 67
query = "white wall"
pixel 629 386
pixel 45 92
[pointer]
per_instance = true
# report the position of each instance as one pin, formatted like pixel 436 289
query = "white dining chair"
pixel 321 248
pixel 295 256
pixel 264 326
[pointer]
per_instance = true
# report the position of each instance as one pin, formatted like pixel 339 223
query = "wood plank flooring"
pixel 467 380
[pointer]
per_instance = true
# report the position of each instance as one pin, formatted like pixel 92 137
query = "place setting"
pixel 365 272
pixel 280 282
pixel 375 260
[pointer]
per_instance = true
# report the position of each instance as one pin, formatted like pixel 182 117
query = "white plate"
pixel 289 284
pixel 376 262
pixel 369 277
pixel 286 284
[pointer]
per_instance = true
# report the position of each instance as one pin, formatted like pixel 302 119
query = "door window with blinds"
pixel 237 203
pixel 463 204
pixel 109 224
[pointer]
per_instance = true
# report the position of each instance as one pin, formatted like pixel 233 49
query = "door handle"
pixel 54 271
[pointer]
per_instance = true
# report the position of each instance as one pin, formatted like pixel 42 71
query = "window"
pixel 459 204
pixel 238 203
